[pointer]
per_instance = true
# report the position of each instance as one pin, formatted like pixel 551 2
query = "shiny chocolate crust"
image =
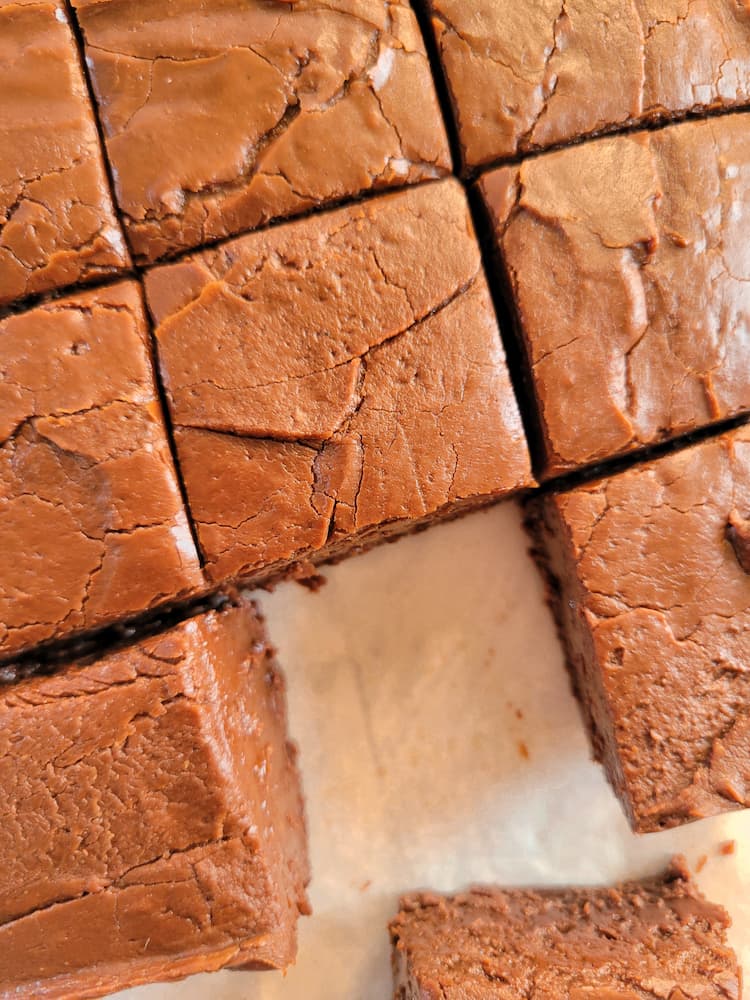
pixel 628 264
pixel 152 815
pixel 57 223
pixel 658 937
pixel 220 115
pixel 336 381
pixel 92 524
pixel 649 583
pixel 528 74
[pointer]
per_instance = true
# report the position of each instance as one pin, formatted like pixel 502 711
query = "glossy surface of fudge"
pixel 628 263
pixel 92 525
pixel 528 74
pixel 152 814
pixel 336 381
pixel 649 582
pixel 57 224
pixel 219 116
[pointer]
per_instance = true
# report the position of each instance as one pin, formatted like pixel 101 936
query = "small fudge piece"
pixel 220 117
pixel 336 381
pixel 57 223
pixel 527 74
pixel 627 262
pixel 650 586
pixel 153 823
pixel 653 938
pixel 92 525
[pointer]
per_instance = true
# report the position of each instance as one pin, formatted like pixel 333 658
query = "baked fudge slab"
pixel 92 525
pixel 220 116
pixel 152 814
pixel 528 74
pixel 336 381
pixel 57 223
pixel 653 938
pixel 627 262
pixel 649 582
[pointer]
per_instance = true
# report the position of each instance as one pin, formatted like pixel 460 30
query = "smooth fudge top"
pixel 653 938
pixel 627 259
pixel 57 224
pixel 655 562
pixel 152 815
pixel 528 74
pixel 333 375
pixel 92 527
pixel 221 116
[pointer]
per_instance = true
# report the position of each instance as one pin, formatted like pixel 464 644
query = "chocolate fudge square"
pixel 221 116
pixel 626 259
pixel 336 381
pixel 57 223
pixel 658 937
pixel 92 525
pixel 153 823
pixel 528 74
pixel 649 582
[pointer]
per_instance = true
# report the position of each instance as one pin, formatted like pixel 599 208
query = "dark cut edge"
pixel 655 122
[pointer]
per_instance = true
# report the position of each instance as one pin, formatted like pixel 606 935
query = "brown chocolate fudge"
pixel 336 381
pixel 658 937
pixel 152 815
pixel 220 116
pixel 650 586
pixel 92 525
pixel 57 223
pixel 528 74
pixel 627 260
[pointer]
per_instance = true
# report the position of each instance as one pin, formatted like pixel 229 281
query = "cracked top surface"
pixel 92 526
pixel 655 569
pixel 629 265
pixel 220 115
pixel 528 74
pixel 57 224
pixel 656 939
pixel 332 375
pixel 152 818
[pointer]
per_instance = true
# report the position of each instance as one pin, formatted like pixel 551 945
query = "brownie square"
pixel 57 223
pixel 220 117
pixel 153 820
pixel 92 525
pixel 626 259
pixel 658 937
pixel 528 74
pixel 649 583
pixel 336 381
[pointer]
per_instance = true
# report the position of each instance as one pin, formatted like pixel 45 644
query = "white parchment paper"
pixel 440 747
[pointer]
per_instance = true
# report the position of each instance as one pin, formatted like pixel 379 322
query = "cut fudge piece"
pixel 627 262
pixel 57 223
pixel 219 117
pixel 152 816
pixel 528 74
pixel 649 583
pixel 653 938
pixel 336 381
pixel 92 525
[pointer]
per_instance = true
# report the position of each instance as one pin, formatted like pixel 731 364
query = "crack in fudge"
pixel 57 222
pixel 221 116
pixel 627 263
pixel 649 582
pixel 92 524
pixel 336 381
pixel 528 74
pixel 153 823
pixel 658 937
